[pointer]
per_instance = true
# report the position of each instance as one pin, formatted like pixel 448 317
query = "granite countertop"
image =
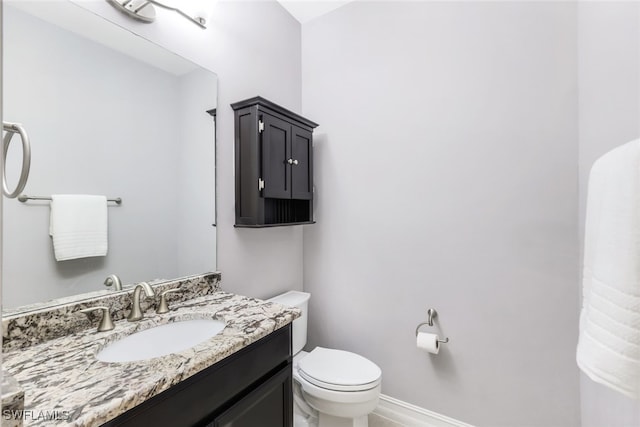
pixel 64 383
pixel 12 401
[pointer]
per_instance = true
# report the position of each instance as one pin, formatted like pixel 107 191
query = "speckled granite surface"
pixel 12 401
pixel 64 384
pixel 36 324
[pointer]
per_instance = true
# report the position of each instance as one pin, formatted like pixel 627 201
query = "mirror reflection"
pixel 108 113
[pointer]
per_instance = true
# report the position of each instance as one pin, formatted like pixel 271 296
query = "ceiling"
pixel 306 10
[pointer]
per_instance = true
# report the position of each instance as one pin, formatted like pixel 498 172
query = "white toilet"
pixel 342 387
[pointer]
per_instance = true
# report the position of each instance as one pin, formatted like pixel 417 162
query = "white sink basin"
pixel 161 340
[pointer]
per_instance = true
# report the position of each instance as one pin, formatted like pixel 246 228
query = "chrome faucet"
pixel 113 280
pixel 136 312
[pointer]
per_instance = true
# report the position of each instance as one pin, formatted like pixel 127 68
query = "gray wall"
pixel 609 94
pixel 258 44
pixel 446 165
pixel 254 48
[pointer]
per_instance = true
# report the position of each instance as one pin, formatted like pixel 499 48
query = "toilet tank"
pixel 300 300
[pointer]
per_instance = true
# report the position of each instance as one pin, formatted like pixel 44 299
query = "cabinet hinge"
pixel 260 126
pixel 260 184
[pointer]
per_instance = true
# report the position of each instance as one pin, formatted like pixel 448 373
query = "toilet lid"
pixel 339 370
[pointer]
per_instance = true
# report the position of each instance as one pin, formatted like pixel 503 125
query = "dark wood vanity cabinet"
pixel 253 387
pixel 274 165
pixel 262 407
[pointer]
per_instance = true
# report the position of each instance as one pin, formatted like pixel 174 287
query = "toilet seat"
pixel 339 370
pixel 313 392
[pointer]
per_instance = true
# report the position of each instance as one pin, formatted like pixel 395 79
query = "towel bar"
pixel 13 128
pixel 23 198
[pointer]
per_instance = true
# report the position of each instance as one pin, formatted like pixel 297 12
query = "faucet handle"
pixel 113 280
pixel 163 307
pixel 106 324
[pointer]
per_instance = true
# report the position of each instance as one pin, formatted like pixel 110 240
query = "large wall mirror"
pixel 108 113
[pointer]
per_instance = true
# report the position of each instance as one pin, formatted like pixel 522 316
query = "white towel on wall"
pixel 609 343
pixel 78 226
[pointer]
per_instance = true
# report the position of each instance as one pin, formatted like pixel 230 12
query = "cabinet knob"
pixel 290 161
pixel 295 162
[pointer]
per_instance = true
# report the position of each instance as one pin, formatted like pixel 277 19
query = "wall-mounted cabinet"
pixel 274 165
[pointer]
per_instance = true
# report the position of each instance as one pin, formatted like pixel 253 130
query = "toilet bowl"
pixel 335 387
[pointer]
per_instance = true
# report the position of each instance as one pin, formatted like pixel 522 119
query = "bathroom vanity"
pixel 240 377
pixel 252 387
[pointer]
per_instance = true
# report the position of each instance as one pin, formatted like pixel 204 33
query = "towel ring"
pixel 431 314
pixel 13 128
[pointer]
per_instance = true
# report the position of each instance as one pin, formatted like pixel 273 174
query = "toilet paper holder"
pixel 431 314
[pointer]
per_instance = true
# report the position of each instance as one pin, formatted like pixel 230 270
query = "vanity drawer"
pixel 200 398
pixel 269 405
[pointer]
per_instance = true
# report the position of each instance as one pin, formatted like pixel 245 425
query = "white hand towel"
pixel 78 226
pixel 609 343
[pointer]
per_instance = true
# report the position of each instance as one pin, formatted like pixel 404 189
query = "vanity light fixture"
pixel 144 10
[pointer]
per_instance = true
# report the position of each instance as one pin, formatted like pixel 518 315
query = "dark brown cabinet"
pixel 274 165
pixel 266 406
pixel 252 387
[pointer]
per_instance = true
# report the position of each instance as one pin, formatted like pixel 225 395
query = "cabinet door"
pixel 302 168
pixel 276 151
pixel 269 405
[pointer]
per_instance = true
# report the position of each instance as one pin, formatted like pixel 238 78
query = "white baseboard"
pixel 413 416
